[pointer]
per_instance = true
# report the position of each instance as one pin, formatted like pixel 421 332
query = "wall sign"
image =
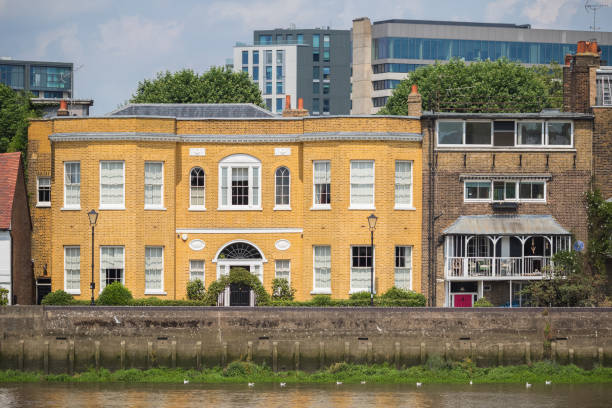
pixel 197 151
pixel 282 151
pixel 282 245
pixel 197 244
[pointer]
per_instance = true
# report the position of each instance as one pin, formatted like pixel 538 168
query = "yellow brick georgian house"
pixel 184 196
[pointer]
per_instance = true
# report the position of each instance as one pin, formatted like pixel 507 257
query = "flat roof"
pixel 545 114
pixel 24 62
pixel 454 23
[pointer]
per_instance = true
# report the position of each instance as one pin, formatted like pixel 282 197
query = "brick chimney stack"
pixel 579 77
pixel 299 112
pixel 415 102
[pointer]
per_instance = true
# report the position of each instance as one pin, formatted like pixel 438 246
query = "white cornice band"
pixel 252 138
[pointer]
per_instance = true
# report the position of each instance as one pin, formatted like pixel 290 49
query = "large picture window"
pixel 239 185
pixel 72 185
pixel 403 267
pixel 197 187
pixel 72 269
pixel 322 269
pixel 322 184
pixel 403 184
pixel 361 264
pixel 154 270
pixel 154 185
pixel 111 265
pixel 362 184
pixel 112 185
pixel 282 180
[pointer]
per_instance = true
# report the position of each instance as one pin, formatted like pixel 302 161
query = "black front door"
pixel 240 295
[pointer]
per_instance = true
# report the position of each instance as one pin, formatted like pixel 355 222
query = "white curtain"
pixel 72 183
pixel 153 267
pixel 403 183
pixel 223 185
pixel 196 270
pixel 283 269
pixel 112 258
pixel 322 174
pixel 255 171
pixel 362 182
pixel 322 267
pixel 153 183
pixel 360 279
pixel 72 262
pixel 111 180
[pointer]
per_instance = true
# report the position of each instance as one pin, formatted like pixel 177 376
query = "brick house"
pixel 183 192
pixel 507 191
pixel 15 232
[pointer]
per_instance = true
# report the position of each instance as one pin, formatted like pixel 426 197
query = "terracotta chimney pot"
pixel 63 109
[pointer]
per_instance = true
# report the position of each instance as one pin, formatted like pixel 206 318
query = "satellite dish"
pixel 578 246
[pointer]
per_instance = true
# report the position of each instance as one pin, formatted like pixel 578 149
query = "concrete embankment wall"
pixel 72 339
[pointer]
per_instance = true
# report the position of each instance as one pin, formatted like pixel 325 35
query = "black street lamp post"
pixel 93 218
pixel 372 224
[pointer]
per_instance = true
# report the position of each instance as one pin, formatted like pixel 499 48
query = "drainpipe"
pixel 432 201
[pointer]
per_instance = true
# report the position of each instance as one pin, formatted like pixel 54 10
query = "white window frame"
pixel 66 205
pixel 316 206
pixel 315 290
pixel 396 267
pixel 254 168
pixel 159 291
pixel 72 291
pixel 517 135
pixel 120 206
pixel 102 276
pixel 571 145
pixel 491 198
pixel 282 207
pixel 38 202
pixel 447 144
pixel 357 290
pixel 197 207
pixel 276 269
pixel 159 206
pixel 192 270
pixel 409 206
pixel 355 206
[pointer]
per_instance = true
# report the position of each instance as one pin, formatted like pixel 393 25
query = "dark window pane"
pixel 559 133
pixel 450 133
pixel 478 133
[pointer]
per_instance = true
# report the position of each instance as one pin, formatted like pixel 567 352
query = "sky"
pixel 114 44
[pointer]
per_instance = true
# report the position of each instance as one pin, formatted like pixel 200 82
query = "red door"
pixel 463 300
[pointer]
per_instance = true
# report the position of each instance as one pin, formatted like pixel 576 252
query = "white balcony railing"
pixel 490 267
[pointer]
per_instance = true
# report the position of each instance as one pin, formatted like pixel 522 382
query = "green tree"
pixel 579 279
pixel 482 86
pixel 219 85
pixel 15 110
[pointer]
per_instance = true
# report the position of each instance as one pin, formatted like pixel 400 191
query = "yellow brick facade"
pixel 136 140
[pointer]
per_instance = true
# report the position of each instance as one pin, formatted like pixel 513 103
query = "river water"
pixel 272 395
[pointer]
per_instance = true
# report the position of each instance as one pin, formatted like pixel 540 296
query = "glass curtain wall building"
pixel 316 68
pixel 42 79
pixel 398 47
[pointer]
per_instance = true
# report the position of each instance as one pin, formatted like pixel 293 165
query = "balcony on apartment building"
pixel 493 247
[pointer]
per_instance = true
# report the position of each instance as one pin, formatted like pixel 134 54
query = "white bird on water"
pixel 548 382
pixel 185 381
pixel 470 382
pixel 363 382
pixel 338 382
pixel 283 384
pixel 251 384
pixel 419 384
pixel 527 385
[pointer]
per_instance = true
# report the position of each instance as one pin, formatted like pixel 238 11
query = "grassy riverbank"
pixel 240 372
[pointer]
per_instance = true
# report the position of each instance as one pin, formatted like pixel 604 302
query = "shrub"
pixel 281 290
pixel 59 297
pixel 483 302
pixel 237 275
pixel 115 294
pixel 360 296
pixel 196 290
pixel 322 300
pixel 401 297
pixel 3 296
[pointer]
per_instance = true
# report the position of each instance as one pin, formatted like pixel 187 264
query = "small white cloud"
pixel 497 10
pixel 66 39
pixel 134 35
pixel 547 13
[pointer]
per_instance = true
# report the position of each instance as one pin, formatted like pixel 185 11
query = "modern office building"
pixel 41 78
pixel 312 64
pixel 386 51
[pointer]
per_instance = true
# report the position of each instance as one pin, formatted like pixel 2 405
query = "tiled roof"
pixel 9 169
pixel 506 225
pixel 193 110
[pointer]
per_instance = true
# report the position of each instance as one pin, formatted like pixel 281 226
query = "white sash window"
pixel 154 184
pixel 72 270
pixel 112 185
pixel 403 184
pixel 72 185
pixel 322 269
pixel 362 184
pixel 154 269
